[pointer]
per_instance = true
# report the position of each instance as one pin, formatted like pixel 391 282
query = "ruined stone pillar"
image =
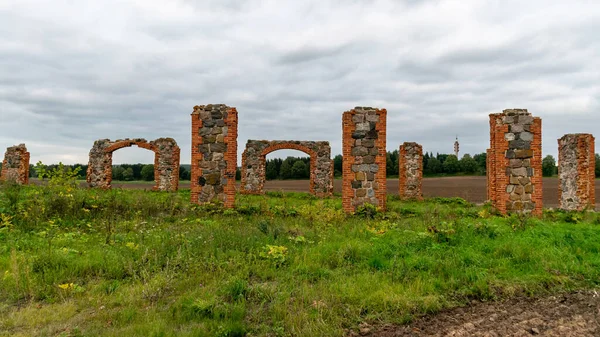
pixel 15 167
pixel 410 171
pixel 214 154
pixel 515 162
pixel 99 171
pixel 576 172
pixel 364 146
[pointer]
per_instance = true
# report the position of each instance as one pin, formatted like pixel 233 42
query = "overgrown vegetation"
pixel 76 262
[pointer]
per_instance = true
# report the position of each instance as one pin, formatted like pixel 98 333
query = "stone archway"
pixel 254 162
pixel 166 161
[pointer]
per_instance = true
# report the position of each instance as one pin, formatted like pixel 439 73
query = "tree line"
pixel 299 167
pixel 122 172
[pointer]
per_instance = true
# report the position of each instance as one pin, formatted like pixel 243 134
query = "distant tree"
pixel 597 165
pixel 481 160
pixel 548 166
pixel 117 172
pixel 299 170
pixel 285 172
pixel 442 157
pixel 147 172
pixel 128 174
pixel 238 174
pixel 271 170
pixel 184 174
pixel 338 165
pixel 434 166
pixel 391 166
pixel 425 162
pixel 468 164
pixel 451 164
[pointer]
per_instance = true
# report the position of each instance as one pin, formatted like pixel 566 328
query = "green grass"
pixel 77 262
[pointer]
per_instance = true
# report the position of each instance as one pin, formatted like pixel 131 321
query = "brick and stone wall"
pixel 214 154
pixel 254 162
pixel 364 153
pixel 576 172
pixel 15 167
pixel 515 162
pixel 166 161
pixel 410 171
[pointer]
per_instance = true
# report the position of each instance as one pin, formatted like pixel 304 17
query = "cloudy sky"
pixel 73 71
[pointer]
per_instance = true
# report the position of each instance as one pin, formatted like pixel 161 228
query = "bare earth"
pixel 472 189
pixel 575 314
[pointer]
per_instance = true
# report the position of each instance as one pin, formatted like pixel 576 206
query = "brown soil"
pixel 472 189
pixel 575 314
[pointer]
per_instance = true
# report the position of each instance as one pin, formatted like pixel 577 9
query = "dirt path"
pixel 574 314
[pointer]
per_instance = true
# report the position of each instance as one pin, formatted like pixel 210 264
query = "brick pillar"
pixel 576 172
pixel 214 154
pixel 364 146
pixel 515 162
pixel 15 167
pixel 410 171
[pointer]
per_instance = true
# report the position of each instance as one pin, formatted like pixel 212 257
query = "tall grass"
pixel 77 262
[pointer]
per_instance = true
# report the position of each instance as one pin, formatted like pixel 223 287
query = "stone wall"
pixel 214 154
pixel 15 167
pixel 166 161
pixel 576 172
pixel 515 162
pixel 410 171
pixel 254 162
pixel 364 153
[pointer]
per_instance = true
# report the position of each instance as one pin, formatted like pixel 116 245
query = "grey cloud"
pixel 66 82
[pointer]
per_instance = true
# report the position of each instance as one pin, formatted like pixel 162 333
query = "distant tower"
pixel 456 145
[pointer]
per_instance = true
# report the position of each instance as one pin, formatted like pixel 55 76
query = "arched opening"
pixel 133 167
pixel 320 165
pixel 166 162
pixel 287 170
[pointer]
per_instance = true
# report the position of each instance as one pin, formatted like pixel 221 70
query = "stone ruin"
pixel 514 162
pixel 576 172
pixel 214 154
pixel 166 161
pixel 254 164
pixel 364 153
pixel 410 171
pixel 15 167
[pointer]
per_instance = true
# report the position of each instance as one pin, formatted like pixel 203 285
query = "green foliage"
pixel 468 165
pixel 549 166
pixel 451 164
pixel 299 170
pixel 152 264
pixel 434 166
pixel 60 176
pixel 147 172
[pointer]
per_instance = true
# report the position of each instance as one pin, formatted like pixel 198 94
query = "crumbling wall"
pixel 214 154
pixel 166 161
pixel 254 162
pixel 364 153
pixel 515 162
pixel 15 167
pixel 410 171
pixel 576 172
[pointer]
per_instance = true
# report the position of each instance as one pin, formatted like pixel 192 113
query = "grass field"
pixel 77 262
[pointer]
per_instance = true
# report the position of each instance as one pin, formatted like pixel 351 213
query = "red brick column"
pixel 214 154
pixel 364 153
pixel 514 162
pixel 15 167
pixel 576 172
pixel 410 171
